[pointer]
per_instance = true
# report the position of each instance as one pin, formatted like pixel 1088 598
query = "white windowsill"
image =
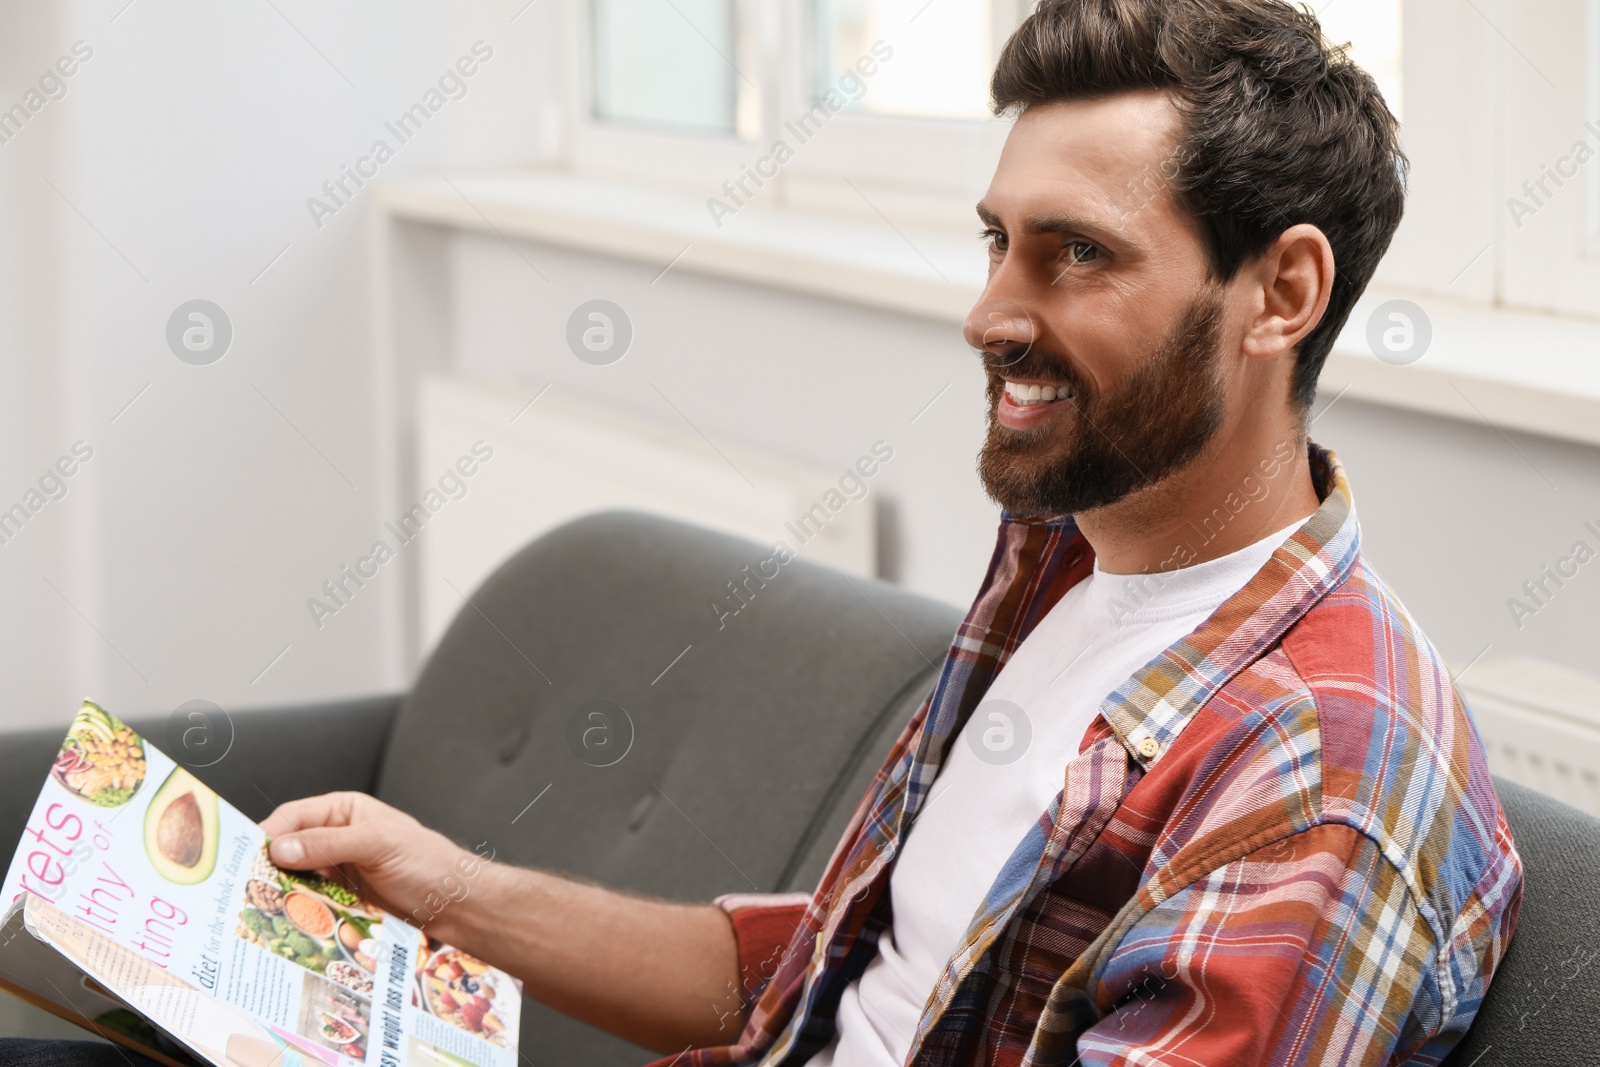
pixel 1517 370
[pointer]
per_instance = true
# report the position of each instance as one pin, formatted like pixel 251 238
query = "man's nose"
pixel 996 325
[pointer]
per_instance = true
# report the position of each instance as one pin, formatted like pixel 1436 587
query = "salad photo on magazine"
pixel 142 906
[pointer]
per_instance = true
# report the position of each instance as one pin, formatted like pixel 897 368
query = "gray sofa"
pixel 730 753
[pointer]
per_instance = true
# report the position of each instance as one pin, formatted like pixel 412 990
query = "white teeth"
pixel 1036 394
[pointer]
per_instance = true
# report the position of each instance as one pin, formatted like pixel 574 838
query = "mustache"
pixel 1031 361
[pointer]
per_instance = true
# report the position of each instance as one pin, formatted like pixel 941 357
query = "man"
pixel 1275 841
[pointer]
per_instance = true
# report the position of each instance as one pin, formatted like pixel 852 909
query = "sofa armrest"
pixel 277 754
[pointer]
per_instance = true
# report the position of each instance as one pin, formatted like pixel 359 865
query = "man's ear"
pixel 1295 275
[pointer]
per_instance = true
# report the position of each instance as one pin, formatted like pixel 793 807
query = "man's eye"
pixel 998 242
pixel 1082 252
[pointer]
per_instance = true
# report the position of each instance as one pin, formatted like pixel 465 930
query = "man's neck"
pixel 1237 491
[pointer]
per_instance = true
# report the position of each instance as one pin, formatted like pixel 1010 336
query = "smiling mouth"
pixel 1027 395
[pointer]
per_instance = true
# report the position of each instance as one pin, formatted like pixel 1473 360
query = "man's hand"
pixel 660 974
pixel 387 856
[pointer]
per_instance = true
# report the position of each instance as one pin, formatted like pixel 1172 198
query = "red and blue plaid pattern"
pixel 1279 843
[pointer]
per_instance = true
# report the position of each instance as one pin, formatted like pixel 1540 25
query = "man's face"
pixel 1098 292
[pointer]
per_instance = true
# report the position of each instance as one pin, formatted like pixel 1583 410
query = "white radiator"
pixel 1540 725
pixel 558 458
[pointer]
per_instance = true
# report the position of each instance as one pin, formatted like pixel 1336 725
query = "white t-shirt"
pixel 1005 770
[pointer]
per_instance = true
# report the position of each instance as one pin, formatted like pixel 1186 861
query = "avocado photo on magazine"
pixel 142 906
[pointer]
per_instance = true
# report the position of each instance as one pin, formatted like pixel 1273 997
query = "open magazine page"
pixel 34 971
pixel 162 895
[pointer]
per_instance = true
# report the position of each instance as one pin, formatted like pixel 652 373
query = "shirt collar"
pixel 1150 709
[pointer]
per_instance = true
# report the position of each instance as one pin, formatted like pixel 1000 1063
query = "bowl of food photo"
pixel 352 977
pixel 357 944
pixel 309 915
pixel 342 1031
pixel 102 759
pixel 468 993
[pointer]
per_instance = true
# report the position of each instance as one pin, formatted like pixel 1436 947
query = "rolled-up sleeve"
pixel 763 926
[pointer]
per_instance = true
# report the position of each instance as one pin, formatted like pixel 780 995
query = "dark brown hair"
pixel 1279 128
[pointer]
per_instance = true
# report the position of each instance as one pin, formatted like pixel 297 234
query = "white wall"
pixel 187 147
pixel 42 646
pixel 1456 517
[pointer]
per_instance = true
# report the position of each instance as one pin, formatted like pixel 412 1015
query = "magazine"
pixel 142 906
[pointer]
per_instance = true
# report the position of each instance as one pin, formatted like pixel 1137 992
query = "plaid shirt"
pixel 1279 843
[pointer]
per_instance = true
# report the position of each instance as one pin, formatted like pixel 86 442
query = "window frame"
pixel 677 157
pixel 1447 243
pixel 917 165
pixel 1476 127
pixel 1549 263
pixel 1591 246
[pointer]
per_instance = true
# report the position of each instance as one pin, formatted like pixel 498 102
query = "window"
pixel 669 91
pixel 1548 71
pixel 691 92
pixel 1372 30
pixel 944 54
pixel 672 65
pixel 1500 105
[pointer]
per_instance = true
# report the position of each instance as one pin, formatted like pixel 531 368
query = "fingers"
pixel 329 809
pixel 325 847
pixel 326 831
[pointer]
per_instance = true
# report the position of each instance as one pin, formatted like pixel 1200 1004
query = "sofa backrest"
pixel 752 734
pixel 1542 1005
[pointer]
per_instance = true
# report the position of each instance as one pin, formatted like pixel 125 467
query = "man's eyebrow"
pixel 1058 223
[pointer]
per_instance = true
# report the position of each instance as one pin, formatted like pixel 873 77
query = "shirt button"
pixel 1149 747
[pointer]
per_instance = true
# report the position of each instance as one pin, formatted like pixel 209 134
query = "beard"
pixel 1115 442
